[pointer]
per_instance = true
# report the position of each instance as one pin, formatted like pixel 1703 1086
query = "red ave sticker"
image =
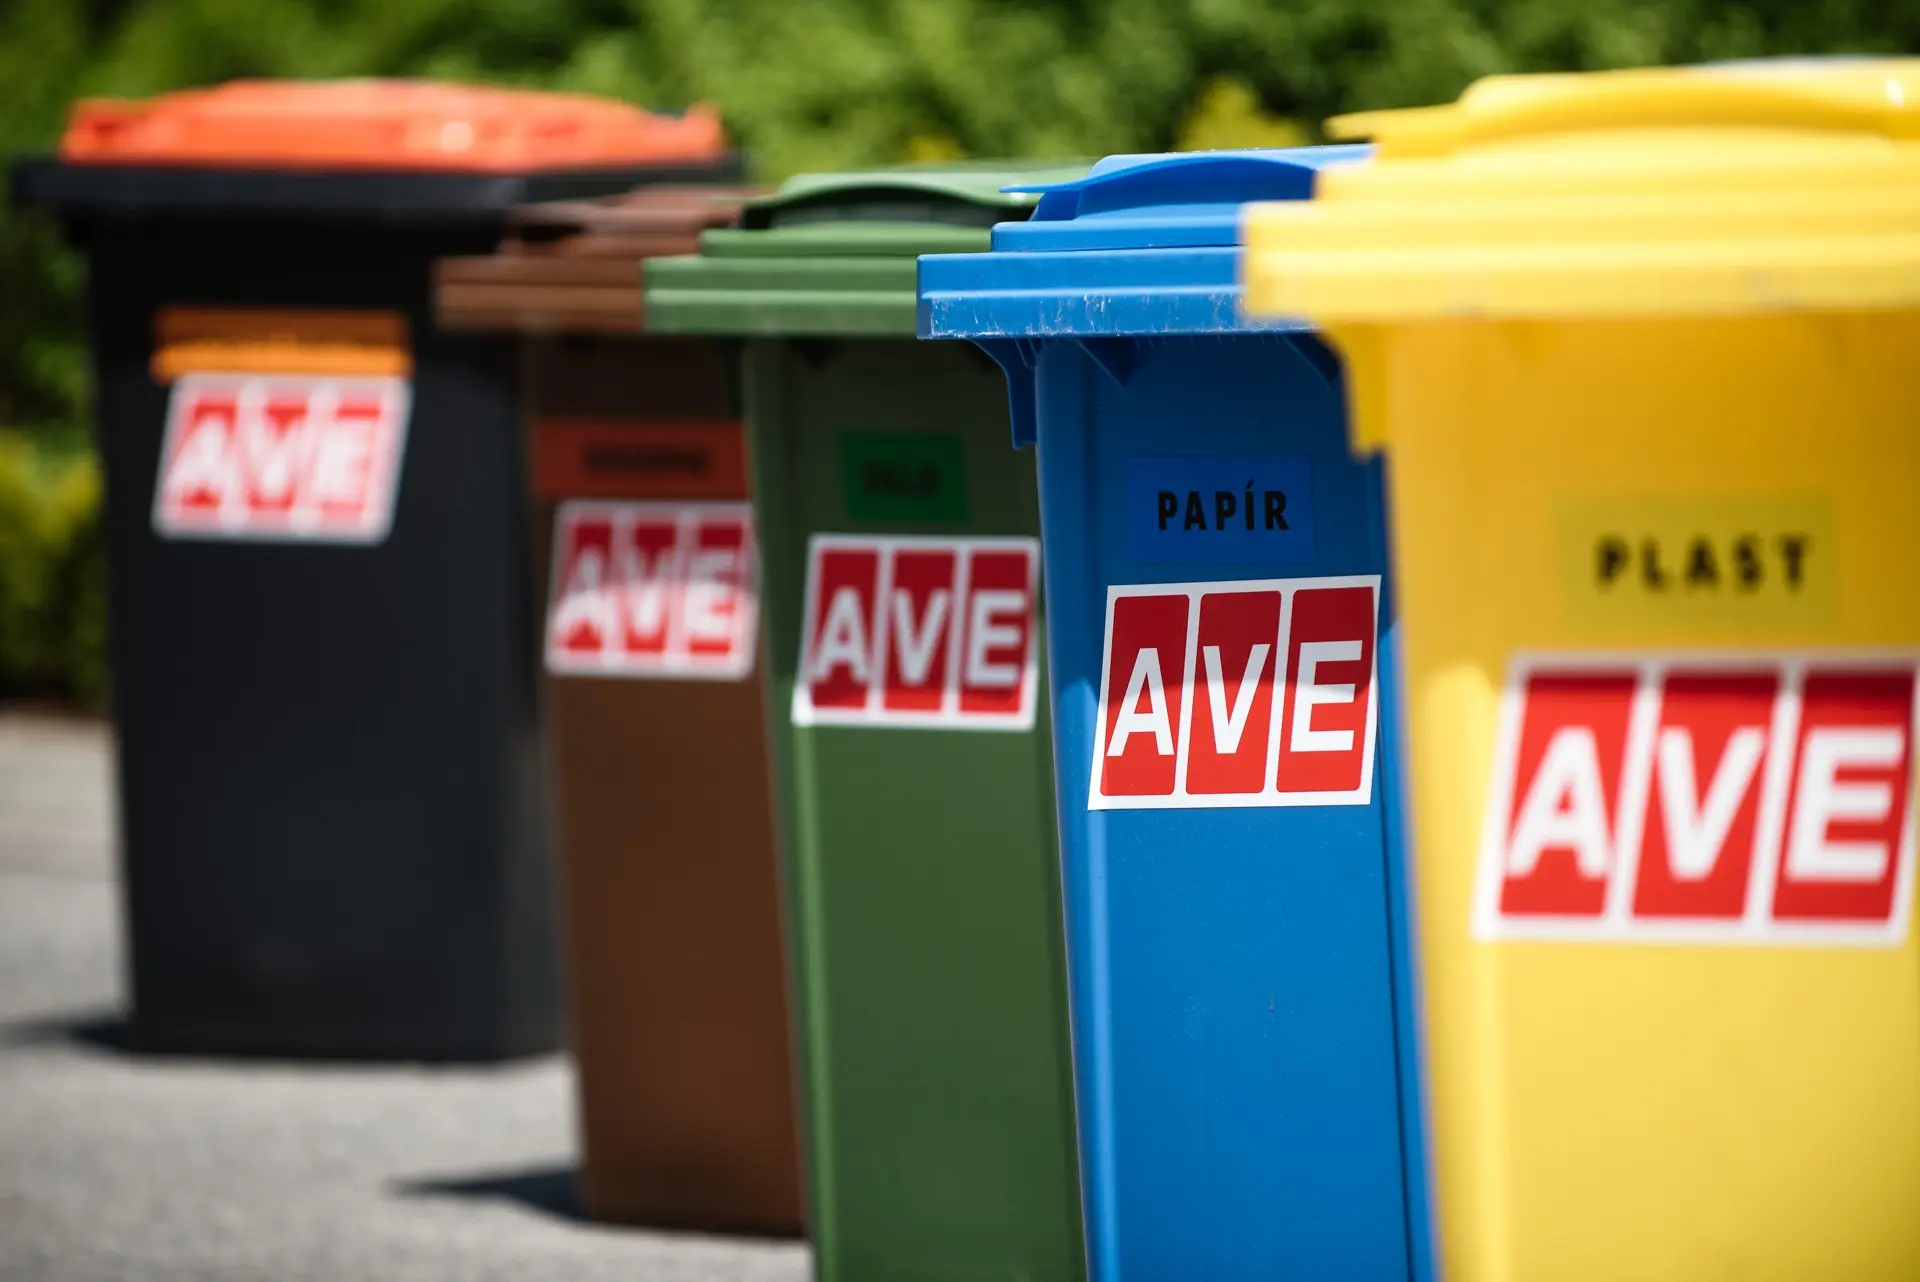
pixel 282 457
pixel 1743 799
pixel 926 632
pixel 1258 693
pixel 653 590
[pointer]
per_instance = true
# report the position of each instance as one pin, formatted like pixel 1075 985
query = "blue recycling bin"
pixel 1222 647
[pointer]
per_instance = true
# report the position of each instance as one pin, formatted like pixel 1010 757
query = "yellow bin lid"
pixel 1724 189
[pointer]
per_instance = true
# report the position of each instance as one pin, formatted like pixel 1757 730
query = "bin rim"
pixel 976 189
pixel 1721 189
pixel 576 266
pixel 657 207
pixel 1143 245
pixel 1130 201
pixel 833 254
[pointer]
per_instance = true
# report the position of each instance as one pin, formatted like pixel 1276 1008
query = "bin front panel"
pixel 1690 1048
pixel 1232 974
pixel 330 772
pixel 922 878
pixel 667 863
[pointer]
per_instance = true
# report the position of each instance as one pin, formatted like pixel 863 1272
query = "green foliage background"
pixel 810 84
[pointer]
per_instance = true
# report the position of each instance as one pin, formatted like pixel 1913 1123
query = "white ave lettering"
pixel 274 452
pixel 915 646
pixel 712 580
pixel 986 633
pixel 1821 798
pixel 343 459
pixel 843 639
pixel 1146 679
pixel 1228 726
pixel 202 466
pixel 1697 828
pixel 644 589
pixel 1310 693
pixel 1565 809
pixel 583 601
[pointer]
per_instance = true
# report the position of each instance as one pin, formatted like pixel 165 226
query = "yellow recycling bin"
pixel 1643 351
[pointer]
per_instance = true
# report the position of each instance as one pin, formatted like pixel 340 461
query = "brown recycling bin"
pixel 646 559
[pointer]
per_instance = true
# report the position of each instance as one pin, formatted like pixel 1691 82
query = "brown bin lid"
pixel 383 125
pixel 575 265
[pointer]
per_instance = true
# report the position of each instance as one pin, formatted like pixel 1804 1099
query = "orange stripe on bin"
pixel 193 340
pixel 635 459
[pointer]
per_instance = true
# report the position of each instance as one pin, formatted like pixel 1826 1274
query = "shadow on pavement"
pixel 550 1190
pixel 111 1032
pixel 91 1030
pixel 554 1191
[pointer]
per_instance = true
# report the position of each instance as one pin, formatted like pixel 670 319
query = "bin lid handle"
pixel 1187 178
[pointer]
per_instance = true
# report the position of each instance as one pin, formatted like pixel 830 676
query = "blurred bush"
pixel 1228 114
pixel 52 574
pixel 809 84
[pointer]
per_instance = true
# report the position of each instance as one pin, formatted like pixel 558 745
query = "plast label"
pixel 1742 799
pixel 1258 693
pixel 1735 562
pixel 653 590
pixel 919 632
pixel 281 457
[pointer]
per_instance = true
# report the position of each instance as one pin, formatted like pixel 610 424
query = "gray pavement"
pixel 117 1167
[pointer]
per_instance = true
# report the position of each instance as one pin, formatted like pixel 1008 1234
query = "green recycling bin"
pixel 904 637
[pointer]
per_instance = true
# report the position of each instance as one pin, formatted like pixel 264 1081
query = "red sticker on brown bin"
pixel 665 590
pixel 654 459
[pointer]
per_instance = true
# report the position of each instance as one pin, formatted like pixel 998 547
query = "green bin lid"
pixel 835 254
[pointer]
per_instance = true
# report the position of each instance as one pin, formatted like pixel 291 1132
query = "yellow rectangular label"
pixel 1715 562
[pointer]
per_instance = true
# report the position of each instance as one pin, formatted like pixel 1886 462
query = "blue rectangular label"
pixel 1220 509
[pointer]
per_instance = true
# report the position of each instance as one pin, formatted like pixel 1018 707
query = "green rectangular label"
pixel 892 477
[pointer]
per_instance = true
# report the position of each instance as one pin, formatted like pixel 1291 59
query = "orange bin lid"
pixel 384 125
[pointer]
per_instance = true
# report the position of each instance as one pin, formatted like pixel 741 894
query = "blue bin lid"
pixel 1142 246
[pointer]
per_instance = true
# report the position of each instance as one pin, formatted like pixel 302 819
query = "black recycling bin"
pixel 330 771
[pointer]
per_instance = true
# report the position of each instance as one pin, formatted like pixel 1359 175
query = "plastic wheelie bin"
pixel 903 637
pixel 644 554
pixel 1221 631
pixel 334 825
pixel 1638 348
